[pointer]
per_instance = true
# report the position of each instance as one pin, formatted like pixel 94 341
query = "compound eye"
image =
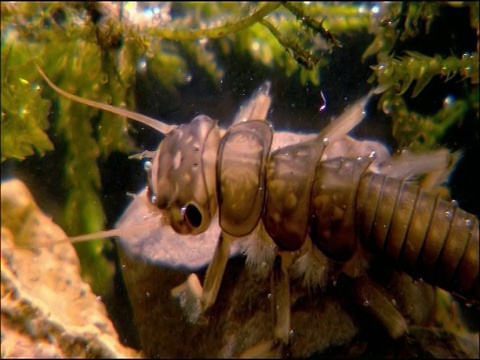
pixel 192 215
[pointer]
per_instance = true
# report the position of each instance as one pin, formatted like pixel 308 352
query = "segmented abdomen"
pixel 426 236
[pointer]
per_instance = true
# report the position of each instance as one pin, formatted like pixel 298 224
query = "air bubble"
pixel 153 199
pixel 269 296
pixel 417 281
pixel 373 155
pixel 147 294
pixel 454 202
pixel 98 298
pixel 469 303
pixel 448 215
pixel 147 167
pixel 325 141
pixel 366 303
pixel 448 101
pixel 142 65
pixel 468 223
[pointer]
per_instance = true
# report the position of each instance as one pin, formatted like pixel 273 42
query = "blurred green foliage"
pixel 93 50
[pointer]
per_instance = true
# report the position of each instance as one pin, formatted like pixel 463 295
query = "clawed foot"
pixel 190 297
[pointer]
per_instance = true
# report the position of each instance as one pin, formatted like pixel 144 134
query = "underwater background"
pixel 173 61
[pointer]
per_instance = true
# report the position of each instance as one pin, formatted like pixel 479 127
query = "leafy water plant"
pixel 420 68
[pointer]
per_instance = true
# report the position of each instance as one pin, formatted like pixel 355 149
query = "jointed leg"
pixel 280 285
pixel 280 288
pixel 194 298
pixel 214 276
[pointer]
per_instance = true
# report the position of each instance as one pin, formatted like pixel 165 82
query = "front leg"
pixel 280 289
pixel 194 299
pixel 214 276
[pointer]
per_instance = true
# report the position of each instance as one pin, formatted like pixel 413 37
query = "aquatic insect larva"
pixel 321 204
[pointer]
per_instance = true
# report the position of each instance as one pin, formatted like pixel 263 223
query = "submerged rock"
pixel 47 309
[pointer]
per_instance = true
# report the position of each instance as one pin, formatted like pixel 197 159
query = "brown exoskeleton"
pixel 320 205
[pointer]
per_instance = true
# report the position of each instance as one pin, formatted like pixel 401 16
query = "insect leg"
pixel 368 296
pixel 350 118
pixel 280 286
pixel 256 108
pixel 280 291
pixel 214 276
pixel 194 298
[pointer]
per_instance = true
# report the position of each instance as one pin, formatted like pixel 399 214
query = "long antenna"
pixel 153 123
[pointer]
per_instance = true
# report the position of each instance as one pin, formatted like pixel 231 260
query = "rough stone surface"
pixel 240 319
pixel 47 310
pixel 323 323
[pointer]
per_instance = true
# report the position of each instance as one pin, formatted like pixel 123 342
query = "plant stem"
pixel 220 31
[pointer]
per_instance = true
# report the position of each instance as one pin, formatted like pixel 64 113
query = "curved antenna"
pixel 153 123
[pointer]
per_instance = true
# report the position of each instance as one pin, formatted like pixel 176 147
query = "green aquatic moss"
pixel 418 132
pixel 24 112
pixel 408 72
pixel 421 69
